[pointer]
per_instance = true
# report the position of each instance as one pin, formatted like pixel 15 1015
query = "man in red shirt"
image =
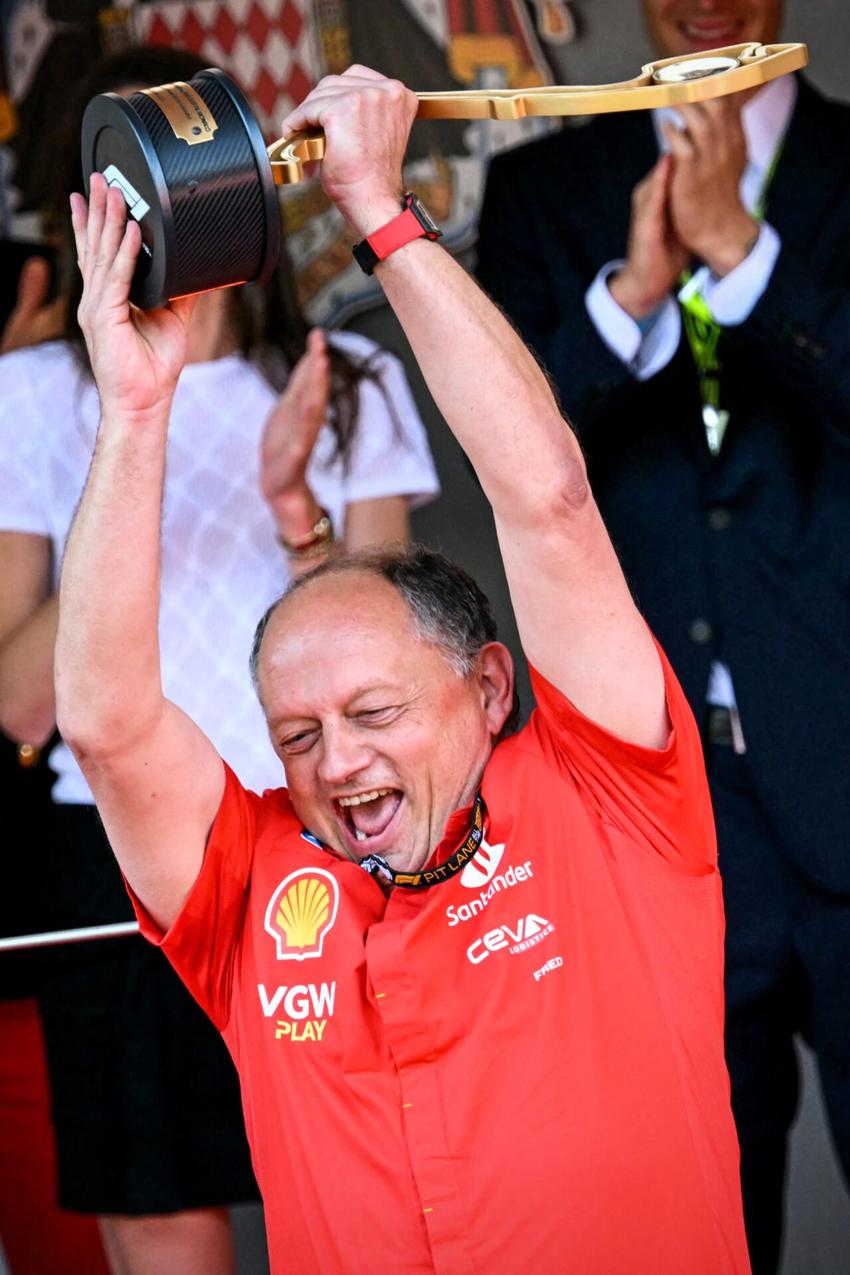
pixel 499 1047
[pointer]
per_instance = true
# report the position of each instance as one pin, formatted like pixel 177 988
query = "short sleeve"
pixel 202 942
pixel 659 796
pixel 22 485
pixel 389 455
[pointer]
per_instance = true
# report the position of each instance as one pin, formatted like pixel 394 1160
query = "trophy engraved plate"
pixel 185 110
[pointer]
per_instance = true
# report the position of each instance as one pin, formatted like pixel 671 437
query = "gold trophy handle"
pixel 288 155
pixel 696 77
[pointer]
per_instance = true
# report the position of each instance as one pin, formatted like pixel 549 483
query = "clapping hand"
pixel 289 438
pixel 709 158
pixel 655 257
pixel 136 356
pixel 689 206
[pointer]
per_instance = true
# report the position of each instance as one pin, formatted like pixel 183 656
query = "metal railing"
pixel 52 938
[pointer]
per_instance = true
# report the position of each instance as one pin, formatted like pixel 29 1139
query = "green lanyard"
pixel 703 333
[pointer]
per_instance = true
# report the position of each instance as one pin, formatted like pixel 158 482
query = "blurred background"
pixel 277 49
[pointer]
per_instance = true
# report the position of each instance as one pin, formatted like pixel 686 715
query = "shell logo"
pixel 301 911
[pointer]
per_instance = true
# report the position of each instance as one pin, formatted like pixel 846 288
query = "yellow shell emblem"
pixel 301 911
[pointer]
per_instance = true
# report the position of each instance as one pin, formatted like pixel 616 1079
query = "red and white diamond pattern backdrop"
pixel 268 45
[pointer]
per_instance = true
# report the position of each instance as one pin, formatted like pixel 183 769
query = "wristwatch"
pixel 413 222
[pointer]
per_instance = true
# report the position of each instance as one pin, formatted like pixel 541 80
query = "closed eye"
pixel 378 716
pixel 299 742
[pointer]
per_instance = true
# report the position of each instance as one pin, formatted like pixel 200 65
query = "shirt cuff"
pixel 733 298
pixel 645 348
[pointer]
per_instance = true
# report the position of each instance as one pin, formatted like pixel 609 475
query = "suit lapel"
pixel 627 151
pixel 600 164
pixel 808 178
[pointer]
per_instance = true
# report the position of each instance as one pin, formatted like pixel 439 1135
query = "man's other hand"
pixel 709 157
pixel 655 256
pixel 136 356
pixel 366 119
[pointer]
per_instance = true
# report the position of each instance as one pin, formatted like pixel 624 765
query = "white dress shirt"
pixel 648 346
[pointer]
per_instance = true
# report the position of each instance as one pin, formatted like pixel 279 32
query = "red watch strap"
pixel 395 234
pixel 413 222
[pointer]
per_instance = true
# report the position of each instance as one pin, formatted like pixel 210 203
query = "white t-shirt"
pixel 221 562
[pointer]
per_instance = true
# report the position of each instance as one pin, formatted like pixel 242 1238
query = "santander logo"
pixel 482 875
pixel 482 865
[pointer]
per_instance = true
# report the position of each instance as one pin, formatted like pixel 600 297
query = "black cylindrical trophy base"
pixel 192 166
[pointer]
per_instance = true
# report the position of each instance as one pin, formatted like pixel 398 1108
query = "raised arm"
pixel 156 778
pixel 578 623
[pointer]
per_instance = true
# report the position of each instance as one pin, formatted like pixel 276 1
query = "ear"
pixel 496 681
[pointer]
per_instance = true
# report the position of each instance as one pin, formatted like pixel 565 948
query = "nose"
pixel 343 754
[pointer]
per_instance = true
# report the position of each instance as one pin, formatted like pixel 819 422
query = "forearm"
pixel 27 699
pixel 297 513
pixel 381 521
pixel 489 388
pixel 367 523
pixel 108 686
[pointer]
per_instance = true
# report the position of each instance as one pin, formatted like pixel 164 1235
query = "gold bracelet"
pixel 317 541
pixel 28 755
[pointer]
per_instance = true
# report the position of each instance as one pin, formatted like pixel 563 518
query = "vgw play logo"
pixel 306 1008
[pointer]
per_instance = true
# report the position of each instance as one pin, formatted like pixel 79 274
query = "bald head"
pixel 446 605
pixel 321 614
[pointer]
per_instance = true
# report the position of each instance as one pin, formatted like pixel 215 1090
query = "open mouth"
pixel 367 817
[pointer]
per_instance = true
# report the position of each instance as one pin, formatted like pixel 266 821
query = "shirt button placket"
pixel 433 1167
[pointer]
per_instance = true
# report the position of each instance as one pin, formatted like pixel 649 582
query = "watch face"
pixel 423 216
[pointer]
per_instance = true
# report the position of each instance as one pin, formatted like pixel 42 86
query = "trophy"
pixel 195 173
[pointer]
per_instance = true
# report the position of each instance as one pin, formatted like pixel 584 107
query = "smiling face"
pixel 381 739
pixel 694 26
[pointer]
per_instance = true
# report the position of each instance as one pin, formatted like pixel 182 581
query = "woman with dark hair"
pixel 281 442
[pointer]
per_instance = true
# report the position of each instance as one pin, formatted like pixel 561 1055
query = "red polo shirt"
pixel 517 1070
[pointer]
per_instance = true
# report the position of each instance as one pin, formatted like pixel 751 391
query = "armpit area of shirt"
pixel 561 713
pixel 655 798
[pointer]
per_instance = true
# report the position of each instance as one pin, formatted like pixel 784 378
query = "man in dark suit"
pixel 715 416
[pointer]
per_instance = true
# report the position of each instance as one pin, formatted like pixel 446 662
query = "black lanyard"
pixel 378 867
